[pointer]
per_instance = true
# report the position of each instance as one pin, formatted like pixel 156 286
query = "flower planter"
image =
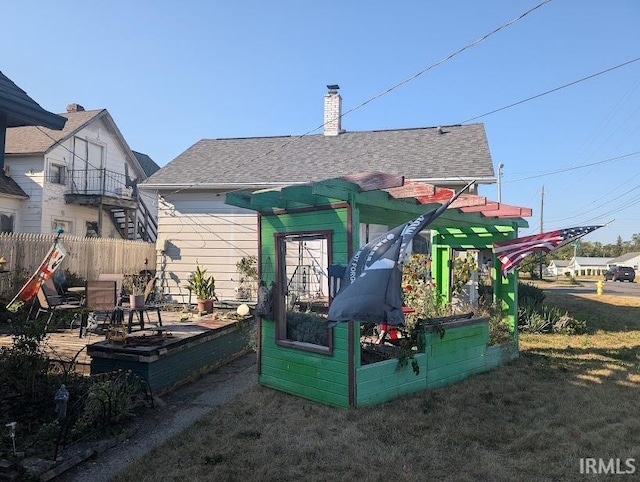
pixel 136 302
pixel 205 305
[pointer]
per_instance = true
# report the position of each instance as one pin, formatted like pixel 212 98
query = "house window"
pixel 6 223
pixel 57 174
pixel 91 229
pixel 60 224
pixel 302 261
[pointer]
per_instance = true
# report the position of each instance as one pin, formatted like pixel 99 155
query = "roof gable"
pixel 36 140
pixel 455 154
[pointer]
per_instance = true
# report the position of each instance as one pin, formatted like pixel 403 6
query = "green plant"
pixel 201 285
pixel 462 269
pixel 307 328
pixel 247 267
pixel 530 294
pixel 419 292
pixel 134 283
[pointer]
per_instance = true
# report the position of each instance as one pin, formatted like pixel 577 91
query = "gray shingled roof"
pixel 624 258
pixel 32 140
pixel 451 152
pixel 147 164
pixel 10 187
pixel 22 110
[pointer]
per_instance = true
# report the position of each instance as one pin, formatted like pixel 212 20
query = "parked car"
pixel 620 273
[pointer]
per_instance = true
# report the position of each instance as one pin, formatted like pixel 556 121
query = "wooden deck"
pixel 66 345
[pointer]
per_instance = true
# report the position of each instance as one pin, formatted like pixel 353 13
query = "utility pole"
pixel 541 224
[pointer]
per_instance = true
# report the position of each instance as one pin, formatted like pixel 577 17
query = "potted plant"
pixel 204 289
pixel 135 285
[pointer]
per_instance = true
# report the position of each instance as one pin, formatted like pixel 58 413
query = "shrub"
pixel 530 294
pixel 545 319
pixel 531 321
pixel 307 328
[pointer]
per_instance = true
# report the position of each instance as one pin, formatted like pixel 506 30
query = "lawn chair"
pixel 62 287
pixel 102 307
pixel 119 279
pixel 49 301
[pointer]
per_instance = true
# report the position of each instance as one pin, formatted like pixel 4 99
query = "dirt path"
pixel 179 409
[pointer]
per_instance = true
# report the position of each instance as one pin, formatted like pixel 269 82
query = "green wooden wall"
pixel 460 353
pixel 320 377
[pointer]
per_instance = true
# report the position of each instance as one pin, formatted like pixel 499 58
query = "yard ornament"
pixel 46 269
pixel 371 289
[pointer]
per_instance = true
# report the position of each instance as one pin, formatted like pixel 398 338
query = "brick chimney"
pixel 75 108
pixel 332 111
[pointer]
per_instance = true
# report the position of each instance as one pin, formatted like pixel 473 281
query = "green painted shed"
pixel 306 230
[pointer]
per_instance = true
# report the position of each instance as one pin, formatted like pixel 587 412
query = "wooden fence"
pixel 86 257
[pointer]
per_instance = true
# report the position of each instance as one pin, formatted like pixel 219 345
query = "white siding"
pixel 201 228
pixel 10 206
pixel 28 173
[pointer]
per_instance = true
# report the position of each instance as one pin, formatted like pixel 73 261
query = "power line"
pixel 553 90
pixel 550 173
pixel 387 91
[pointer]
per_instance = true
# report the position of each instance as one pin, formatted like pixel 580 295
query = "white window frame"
pixel 62 223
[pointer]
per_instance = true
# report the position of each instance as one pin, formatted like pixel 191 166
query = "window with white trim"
pixel 67 226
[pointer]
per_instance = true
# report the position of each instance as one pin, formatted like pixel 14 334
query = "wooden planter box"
pixel 461 352
pixel 172 361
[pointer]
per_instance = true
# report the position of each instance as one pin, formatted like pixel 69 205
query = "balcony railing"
pixel 100 181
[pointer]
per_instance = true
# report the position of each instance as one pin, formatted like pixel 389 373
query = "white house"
pixel 558 267
pixel 588 266
pixel 628 259
pixel 82 178
pixel 196 226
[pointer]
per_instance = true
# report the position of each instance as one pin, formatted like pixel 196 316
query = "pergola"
pixel 334 209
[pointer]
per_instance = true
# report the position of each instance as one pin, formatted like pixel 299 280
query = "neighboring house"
pixel 196 226
pixel 82 178
pixel 629 259
pixel 588 266
pixel 17 109
pixel 558 267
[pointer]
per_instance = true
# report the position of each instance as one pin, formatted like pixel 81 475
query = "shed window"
pixel 302 299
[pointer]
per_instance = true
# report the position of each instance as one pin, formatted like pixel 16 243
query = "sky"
pixel 171 73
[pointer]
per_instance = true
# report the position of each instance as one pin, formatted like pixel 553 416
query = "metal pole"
pixel 500 166
pixel 541 227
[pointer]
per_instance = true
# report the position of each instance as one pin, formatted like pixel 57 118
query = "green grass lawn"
pixel 565 399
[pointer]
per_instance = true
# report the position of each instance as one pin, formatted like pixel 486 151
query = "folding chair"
pixel 49 301
pixel 101 305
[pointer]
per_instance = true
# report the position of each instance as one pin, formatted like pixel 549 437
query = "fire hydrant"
pixel 599 287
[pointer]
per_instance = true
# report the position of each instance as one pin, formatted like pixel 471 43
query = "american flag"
pixel 511 252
